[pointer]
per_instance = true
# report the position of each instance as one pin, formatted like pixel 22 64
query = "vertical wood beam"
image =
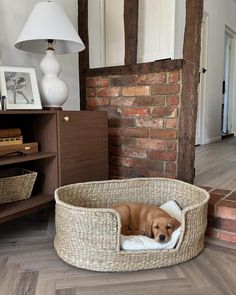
pixel 190 81
pixel 83 55
pixel 131 30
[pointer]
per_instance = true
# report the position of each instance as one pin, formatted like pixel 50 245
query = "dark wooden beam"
pixel 189 100
pixel 83 55
pixel 131 30
pixel 143 68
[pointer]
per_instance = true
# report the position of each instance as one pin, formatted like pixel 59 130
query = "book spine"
pixel 10 132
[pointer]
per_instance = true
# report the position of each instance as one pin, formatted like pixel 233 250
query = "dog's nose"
pixel 162 238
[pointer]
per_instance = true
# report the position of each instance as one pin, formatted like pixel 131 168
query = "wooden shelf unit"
pixel 73 147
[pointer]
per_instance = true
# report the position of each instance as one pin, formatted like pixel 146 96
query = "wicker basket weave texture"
pixel 88 230
pixel 16 184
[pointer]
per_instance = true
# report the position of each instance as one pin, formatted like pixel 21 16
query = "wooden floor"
pixel 29 265
pixel 215 164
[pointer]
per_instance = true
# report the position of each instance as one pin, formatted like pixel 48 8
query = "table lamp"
pixel 49 29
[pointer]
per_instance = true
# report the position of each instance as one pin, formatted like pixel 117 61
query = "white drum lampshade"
pixel 47 29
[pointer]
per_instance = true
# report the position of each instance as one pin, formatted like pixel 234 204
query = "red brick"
pixel 170 167
pixel 112 91
pixel 143 101
pixel 171 145
pixel 171 112
pixel 122 161
pixel 227 236
pixel 151 78
pixel 138 172
pixel 128 80
pixel 123 172
pixel 91 82
pixel 98 101
pixel 171 123
pixel 152 173
pixel 221 191
pixel 150 123
pixel 115 150
pixel 141 163
pixel 102 82
pixel 114 131
pixel 112 111
pixel 134 152
pixel 172 100
pixel 162 155
pixel 165 89
pixel 212 232
pixel 121 101
pixel 135 91
pixel 155 165
pixel 163 134
pixel 91 92
pixel 141 79
pixel 173 77
pixel 136 112
pixel 158 112
pixel 158 100
pixel 120 171
pixel 90 108
pixel 213 221
pixel 232 196
pixel 97 81
pixel 122 122
pixel 169 175
pixel 214 199
pixel 149 143
pixel 120 141
pixel 164 112
pixel 136 132
pixel 226 209
pixel 227 224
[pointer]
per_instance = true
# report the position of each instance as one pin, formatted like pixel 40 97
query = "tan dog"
pixel 149 220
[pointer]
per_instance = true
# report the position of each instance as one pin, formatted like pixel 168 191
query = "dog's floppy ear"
pixel 175 222
pixel 148 229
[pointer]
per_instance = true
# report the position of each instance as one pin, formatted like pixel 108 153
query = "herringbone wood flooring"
pixel 29 265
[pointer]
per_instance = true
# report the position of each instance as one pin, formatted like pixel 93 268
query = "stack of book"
pixel 10 136
pixel 11 143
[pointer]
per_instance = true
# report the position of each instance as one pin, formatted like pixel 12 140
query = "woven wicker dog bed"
pixel 88 230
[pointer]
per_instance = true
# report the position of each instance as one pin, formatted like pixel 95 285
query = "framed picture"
pixel 19 88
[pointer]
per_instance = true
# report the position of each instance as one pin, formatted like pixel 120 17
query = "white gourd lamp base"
pixel 53 90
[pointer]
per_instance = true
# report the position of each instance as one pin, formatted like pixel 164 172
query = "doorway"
pixel 200 124
pixel 226 117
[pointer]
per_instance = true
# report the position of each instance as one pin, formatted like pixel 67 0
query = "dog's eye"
pixel 168 227
pixel 157 226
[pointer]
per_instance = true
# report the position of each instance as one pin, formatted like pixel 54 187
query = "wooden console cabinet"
pixel 73 147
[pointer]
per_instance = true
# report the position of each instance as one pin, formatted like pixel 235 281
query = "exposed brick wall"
pixel 143 113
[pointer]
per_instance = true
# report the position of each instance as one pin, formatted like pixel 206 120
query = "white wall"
pixel 220 13
pixel 156 29
pixel 106 33
pixel 13 15
pixel 180 13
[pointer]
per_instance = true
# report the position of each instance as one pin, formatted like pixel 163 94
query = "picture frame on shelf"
pixel 19 88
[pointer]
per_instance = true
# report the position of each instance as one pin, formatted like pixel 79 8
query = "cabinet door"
pixel 83 146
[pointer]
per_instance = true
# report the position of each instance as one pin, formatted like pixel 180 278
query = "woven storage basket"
pixel 88 230
pixel 16 184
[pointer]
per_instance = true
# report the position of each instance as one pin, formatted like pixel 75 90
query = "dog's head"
pixel 161 228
